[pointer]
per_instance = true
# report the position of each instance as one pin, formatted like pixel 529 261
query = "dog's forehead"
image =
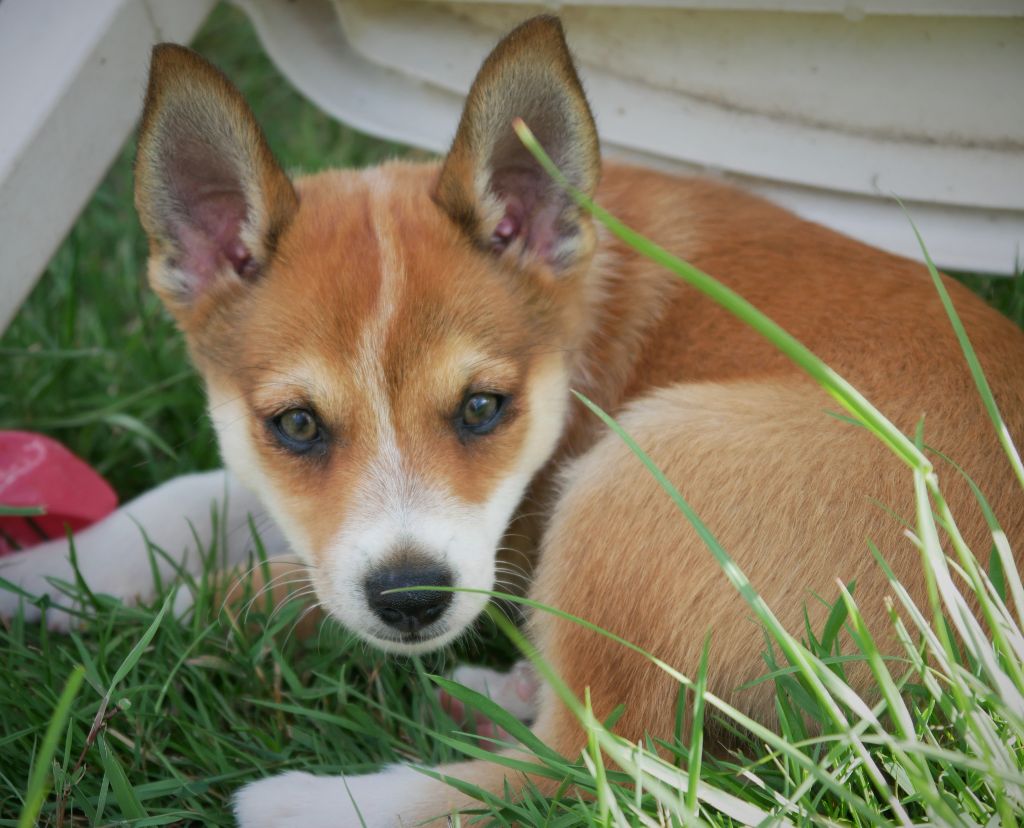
pixel 374 286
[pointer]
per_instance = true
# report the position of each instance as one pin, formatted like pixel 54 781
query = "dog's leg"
pixel 184 518
pixel 515 690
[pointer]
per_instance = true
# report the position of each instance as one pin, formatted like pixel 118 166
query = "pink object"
pixel 484 727
pixel 38 471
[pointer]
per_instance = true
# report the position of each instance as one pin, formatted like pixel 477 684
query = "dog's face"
pixel 389 394
pixel 386 353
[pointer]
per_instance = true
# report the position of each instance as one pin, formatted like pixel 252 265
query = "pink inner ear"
pixel 211 212
pixel 504 233
pixel 533 212
pixel 220 215
pixel 210 238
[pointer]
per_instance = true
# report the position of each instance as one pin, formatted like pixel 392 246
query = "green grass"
pixel 172 716
pixel 205 707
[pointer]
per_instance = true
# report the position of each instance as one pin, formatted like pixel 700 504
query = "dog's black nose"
pixel 410 611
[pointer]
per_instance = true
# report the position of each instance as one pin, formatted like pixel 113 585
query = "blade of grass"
pixel 21 511
pixel 693 763
pixel 980 380
pixel 136 652
pixel 39 778
pixel 923 784
pixel 129 803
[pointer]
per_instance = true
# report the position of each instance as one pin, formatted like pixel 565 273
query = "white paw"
pixel 29 571
pixel 516 690
pixel 394 797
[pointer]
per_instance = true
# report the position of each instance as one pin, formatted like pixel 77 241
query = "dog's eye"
pixel 480 413
pixel 297 429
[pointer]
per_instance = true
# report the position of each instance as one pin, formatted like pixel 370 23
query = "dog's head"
pixel 387 353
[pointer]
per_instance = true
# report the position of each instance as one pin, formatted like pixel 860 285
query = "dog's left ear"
pixel 490 185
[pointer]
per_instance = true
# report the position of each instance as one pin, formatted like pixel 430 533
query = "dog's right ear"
pixel 210 195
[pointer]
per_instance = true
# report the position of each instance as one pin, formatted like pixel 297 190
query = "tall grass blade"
pixel 125 794
pixel 135 654
pixel 40 776
pixel 980 380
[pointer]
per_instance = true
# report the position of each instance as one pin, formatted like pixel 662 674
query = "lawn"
pixel 164 733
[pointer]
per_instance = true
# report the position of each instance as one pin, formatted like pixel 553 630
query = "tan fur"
pixel 397 258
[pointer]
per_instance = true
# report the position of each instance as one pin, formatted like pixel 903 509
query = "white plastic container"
pixel 829 107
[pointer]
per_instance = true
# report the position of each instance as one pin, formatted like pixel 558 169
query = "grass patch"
pixel 146 718
pixel 174 715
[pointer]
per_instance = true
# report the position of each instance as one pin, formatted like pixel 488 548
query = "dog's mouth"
pixel 413 638
pixel 412 643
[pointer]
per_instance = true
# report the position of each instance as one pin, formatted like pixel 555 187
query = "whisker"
pixel 284 578
pixel 268 588
pixel 291 596
pixel 316 605
pixel 508 563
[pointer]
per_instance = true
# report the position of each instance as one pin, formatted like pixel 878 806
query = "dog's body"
pixel 389 354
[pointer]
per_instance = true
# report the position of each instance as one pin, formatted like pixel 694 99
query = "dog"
pixel 389 357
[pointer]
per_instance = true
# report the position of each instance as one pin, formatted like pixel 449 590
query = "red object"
pixel 38 471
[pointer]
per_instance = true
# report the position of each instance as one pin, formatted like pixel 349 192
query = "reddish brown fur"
pixel 788 489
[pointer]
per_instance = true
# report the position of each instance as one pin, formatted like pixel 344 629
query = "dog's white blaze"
pixel 394 510
pixel 389 289
pixel 387 468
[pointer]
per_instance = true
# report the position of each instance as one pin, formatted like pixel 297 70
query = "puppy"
pixel 389 356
